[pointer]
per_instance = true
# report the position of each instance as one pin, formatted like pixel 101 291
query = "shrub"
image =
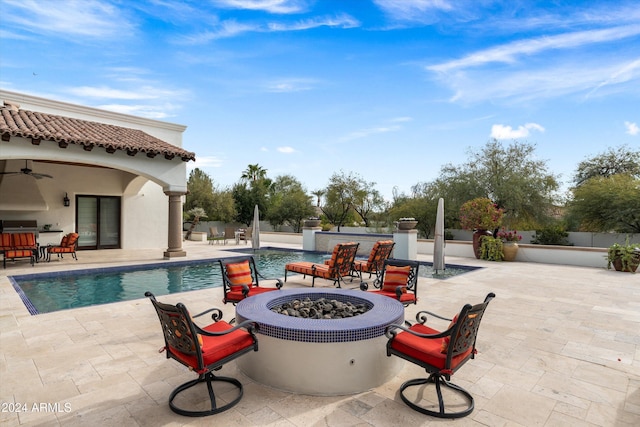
pixel 552 235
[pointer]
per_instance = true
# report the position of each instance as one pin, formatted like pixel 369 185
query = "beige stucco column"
pixel 175 225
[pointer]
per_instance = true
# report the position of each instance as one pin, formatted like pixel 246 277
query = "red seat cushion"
pixel 18 253
pixel 60 250
pixel 406 297
pixel 235 296
pixel 425 349
pixel 217 348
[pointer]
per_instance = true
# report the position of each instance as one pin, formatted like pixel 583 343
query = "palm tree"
pixel 254 173
pixel 318 194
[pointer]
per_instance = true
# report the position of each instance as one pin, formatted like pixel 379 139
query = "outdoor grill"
pixel 19 226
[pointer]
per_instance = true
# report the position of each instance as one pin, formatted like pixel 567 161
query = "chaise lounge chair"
pixel 336 269
pixel 373 265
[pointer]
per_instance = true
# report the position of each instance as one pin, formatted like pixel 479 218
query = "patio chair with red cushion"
pixel 441 354
pixel 380 252
pixel 68 245
pixel 241 279
pixel 203 350
pixel 398 279
pixel 336 269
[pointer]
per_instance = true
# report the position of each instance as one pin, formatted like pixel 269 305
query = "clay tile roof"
pixel 66 130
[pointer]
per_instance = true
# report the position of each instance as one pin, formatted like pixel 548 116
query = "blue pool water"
pixel 44 293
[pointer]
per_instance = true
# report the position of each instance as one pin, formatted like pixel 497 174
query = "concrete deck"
pixel 558 346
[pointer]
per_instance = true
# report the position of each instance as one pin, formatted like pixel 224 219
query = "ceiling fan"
pixel 27 171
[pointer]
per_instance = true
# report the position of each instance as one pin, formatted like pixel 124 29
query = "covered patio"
pixel 558 346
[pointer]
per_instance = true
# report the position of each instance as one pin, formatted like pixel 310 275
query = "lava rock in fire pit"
pixel 321 308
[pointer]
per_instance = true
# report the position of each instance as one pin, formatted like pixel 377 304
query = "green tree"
pixel 339 198
pixel 254 173
pixel 614 161
pixel 509 175
pixel 366 199
pixel 200 193
pixel 289 203
pixel 252 190
pixel 224 208
pixel 608 203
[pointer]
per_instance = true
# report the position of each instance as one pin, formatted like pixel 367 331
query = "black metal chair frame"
pixel 255 277
pixel 187 344
pixel 462 335
pixel 412 280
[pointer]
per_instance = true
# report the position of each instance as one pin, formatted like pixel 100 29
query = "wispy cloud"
pixel 271 6
pixel 232 28
pixel 510 52
pixel 68 18
pixel 625 73
pixel 413 10
pixel 203 162
pixel 142 92
pixel 507 132
pixel 363 133
pixel 290 85
pixel 286 150
pixel 632 128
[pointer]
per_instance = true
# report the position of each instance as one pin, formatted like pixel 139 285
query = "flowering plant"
pixel 407 219
pixel 480 214
pixel 509 236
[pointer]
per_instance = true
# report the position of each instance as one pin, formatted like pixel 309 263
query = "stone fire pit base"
pixel 321 357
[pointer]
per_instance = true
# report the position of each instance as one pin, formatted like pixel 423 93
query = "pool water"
pixel 48 292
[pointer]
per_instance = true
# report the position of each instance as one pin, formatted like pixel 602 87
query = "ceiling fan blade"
pixel 40 175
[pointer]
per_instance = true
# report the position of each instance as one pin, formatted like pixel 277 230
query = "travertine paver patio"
pixel 558 346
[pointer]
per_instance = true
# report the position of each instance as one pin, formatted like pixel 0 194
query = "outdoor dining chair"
pixel 398 280
pixel 203 350
pixel 241 279
pixel 441 354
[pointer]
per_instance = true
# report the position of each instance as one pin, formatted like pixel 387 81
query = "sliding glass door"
pixel 98 219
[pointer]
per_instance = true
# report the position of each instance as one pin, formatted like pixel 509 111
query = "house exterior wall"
pixel 140 181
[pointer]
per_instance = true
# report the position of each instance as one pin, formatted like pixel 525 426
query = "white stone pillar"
pixel 406 244
pixel 309 238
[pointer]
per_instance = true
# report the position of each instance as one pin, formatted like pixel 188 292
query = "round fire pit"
pixel 320 356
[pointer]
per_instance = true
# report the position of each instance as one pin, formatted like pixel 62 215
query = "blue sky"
pixel 390 90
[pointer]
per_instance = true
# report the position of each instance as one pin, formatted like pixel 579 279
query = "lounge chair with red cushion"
pixel 68 245
pixel 380 252
pixel 336 269
pixel 398 280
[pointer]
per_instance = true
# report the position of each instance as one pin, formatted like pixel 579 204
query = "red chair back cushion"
pixel 396 276
pixel 239 273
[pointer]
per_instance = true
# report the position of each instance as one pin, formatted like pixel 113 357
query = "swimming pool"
pixel 48 292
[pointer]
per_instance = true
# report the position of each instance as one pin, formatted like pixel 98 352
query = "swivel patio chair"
pixel 380 252
pixel 68 245
pixel 336 269
pixel 398 279
pixel 441 354
pixel 203 350
pixel 216 236
pixel 241 279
